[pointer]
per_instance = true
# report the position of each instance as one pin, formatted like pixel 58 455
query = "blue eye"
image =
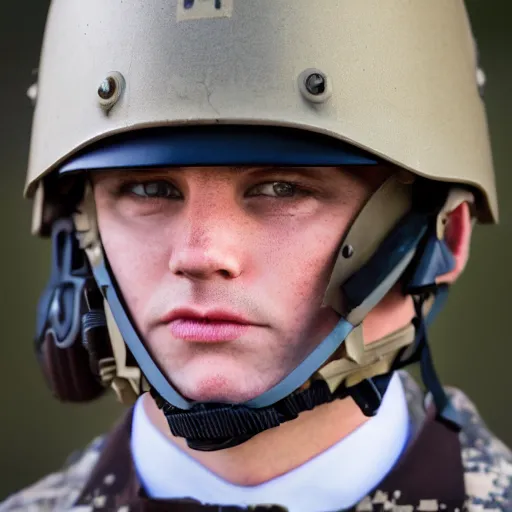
pixel 155 190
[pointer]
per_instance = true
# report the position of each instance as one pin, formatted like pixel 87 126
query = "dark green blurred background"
pixel 471 339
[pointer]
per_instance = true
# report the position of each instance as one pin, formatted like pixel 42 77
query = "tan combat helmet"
pixel 396 81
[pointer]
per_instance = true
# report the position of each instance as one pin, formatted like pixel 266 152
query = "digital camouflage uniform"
pixel 486 462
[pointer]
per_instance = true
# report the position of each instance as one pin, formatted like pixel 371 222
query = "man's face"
pixel 224 269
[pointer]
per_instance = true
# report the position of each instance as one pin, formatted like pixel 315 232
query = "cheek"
pixel 300 262
pixel 136 261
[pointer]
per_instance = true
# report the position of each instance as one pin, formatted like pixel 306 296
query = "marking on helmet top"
pixel 204 9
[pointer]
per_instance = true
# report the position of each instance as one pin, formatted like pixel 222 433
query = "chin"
pixel 218 388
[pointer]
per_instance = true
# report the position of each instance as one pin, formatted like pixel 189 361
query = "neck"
pixel 276 451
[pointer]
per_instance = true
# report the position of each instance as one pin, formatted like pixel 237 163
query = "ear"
pixel 457 236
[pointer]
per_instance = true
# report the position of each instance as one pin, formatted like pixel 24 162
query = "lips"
pixel 210 326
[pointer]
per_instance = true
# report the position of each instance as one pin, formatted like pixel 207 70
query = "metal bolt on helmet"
pixel 110 90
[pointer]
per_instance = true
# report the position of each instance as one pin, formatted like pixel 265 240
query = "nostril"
pixel 201 264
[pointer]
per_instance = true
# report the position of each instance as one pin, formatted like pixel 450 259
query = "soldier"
pixel 256 210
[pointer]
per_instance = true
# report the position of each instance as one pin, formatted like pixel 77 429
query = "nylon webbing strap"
pixel 445 409
pixel 231 421
pixel 222 422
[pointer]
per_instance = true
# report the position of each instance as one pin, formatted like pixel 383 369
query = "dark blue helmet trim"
pixel 216 145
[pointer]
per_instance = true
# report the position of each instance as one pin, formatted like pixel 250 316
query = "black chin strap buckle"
pixel 369 393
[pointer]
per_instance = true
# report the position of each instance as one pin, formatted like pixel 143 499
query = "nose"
pixel 209 244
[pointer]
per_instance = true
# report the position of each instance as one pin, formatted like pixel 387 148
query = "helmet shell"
pixel 395 78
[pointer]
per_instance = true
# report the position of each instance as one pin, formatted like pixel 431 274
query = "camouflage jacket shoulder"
pixel 487 466
pixel 58 491
pixel 487 461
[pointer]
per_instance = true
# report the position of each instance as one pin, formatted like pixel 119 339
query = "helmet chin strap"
pixel 214 426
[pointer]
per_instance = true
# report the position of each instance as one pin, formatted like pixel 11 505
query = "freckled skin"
pixel 216 246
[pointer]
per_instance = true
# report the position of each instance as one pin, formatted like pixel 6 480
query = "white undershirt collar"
pixel 337 478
